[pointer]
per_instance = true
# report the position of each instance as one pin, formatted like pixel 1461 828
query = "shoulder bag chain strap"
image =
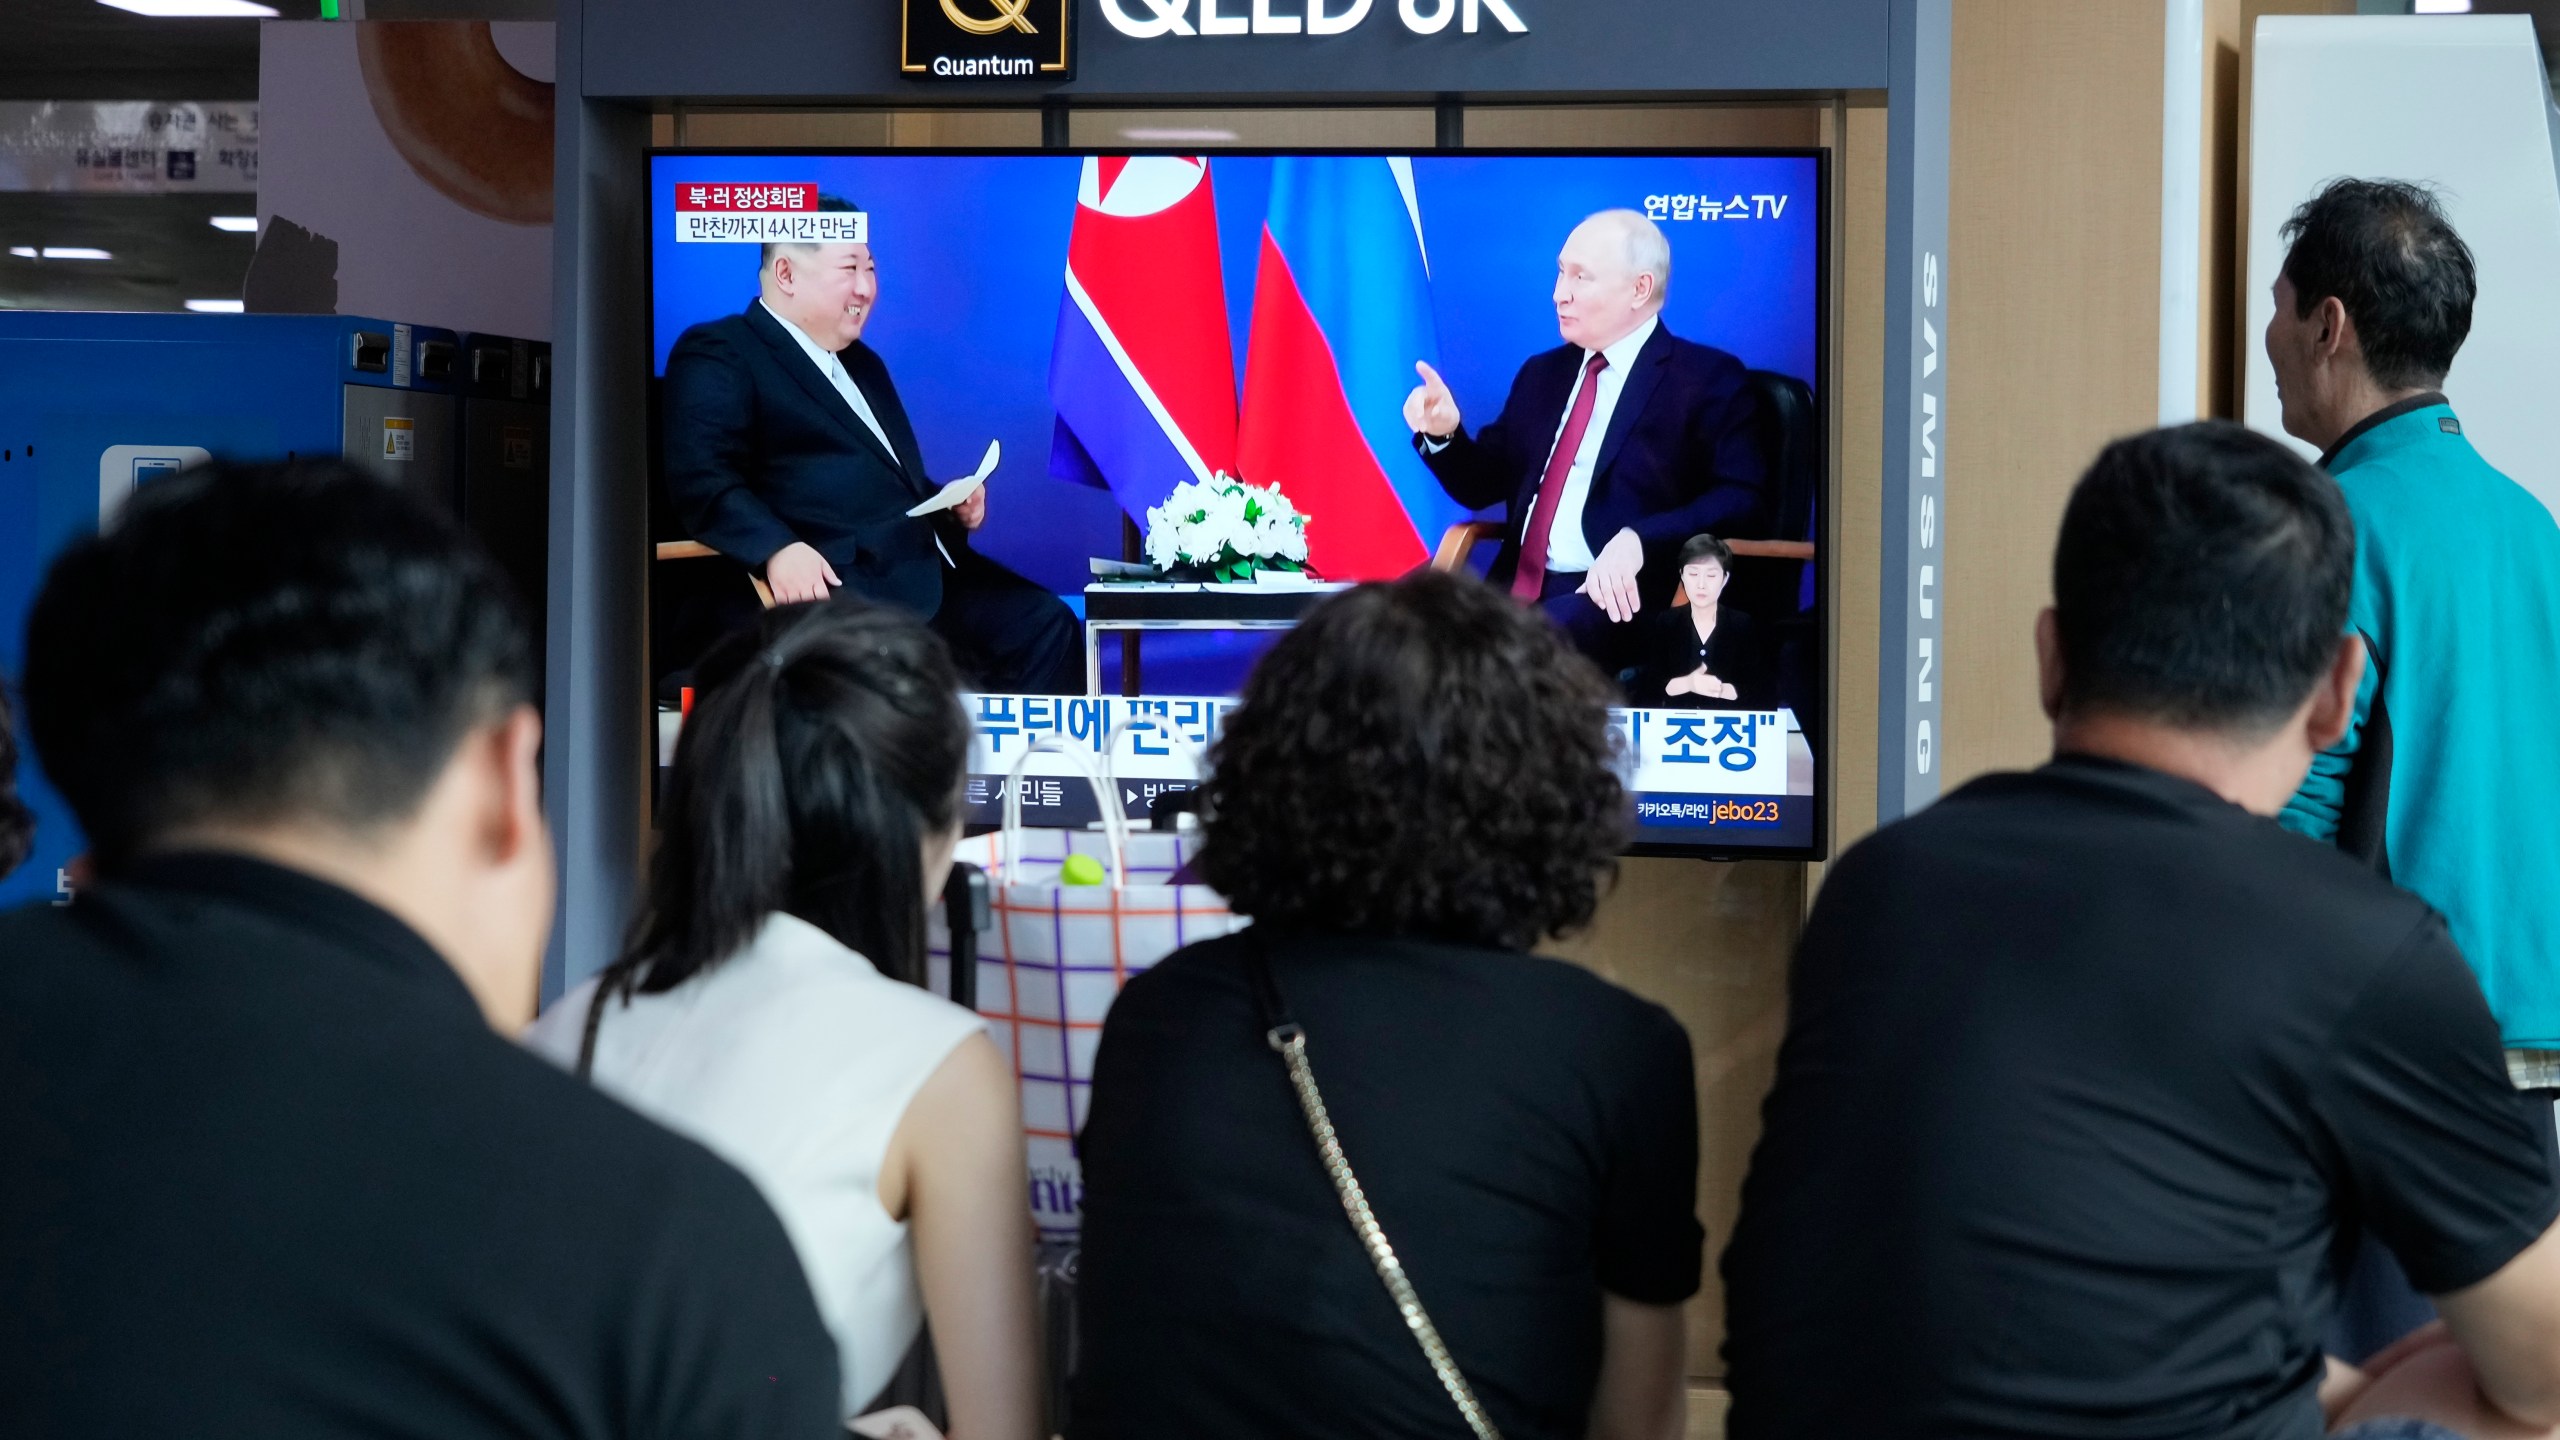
pixel 1290 1039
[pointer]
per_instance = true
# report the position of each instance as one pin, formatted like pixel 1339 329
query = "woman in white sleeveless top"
pixel 770 1003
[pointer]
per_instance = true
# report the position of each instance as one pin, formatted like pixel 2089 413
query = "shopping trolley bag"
pixel 1055 956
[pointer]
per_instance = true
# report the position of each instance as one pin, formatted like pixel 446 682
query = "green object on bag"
pixel 1081 870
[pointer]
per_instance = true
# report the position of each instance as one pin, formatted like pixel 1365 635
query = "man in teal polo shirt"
pixel 2449 778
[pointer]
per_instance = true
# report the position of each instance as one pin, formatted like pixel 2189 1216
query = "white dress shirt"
pixel 831 365
pixel 793 1060
pixel 1568 549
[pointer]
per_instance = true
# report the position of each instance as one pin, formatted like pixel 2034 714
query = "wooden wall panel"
pixel 791 129
pixel 1857 572
pixel 1289 129
pixel 2053 325
pixel 1710 943
pixel 1637 126
pixel 928 129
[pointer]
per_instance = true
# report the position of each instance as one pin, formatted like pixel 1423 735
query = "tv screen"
pixel 1155 367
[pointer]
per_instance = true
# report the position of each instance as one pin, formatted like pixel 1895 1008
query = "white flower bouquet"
pixel 1224 529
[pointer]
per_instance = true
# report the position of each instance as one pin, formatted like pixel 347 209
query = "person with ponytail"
pixel 770 1002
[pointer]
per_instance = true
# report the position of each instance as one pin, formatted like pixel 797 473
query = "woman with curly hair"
pixel 1420 784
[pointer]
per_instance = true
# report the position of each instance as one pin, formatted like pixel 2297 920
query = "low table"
pixel 1131 608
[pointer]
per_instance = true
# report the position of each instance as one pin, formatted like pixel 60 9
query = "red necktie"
pixel 1531 577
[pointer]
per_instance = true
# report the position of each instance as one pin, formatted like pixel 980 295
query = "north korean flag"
pixel 1143 374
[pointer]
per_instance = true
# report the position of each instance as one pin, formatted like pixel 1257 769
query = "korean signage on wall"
pixel 987 39
pixel 129 146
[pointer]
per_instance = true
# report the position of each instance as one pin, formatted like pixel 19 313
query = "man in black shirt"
pixel 2093 1076
pixel 266 1169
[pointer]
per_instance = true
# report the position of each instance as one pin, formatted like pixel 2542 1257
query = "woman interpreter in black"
pixel 1705 655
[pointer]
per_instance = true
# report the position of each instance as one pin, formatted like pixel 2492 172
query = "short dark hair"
pixel 1423 758
pixel 826 203
pixel 2386 251
pixel 2201 579
pixel 265 643
pixel 17 827
pixel 826 745
pixel 1706 547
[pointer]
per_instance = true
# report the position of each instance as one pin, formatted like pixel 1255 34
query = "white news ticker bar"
pixel 1159 738
pixel 773 227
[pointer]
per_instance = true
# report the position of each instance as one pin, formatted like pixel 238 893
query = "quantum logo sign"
pixel 1152 19
pixel 987 39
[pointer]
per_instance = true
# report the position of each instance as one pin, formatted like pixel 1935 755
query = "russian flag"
pixel 1143 374
pixel 1341 311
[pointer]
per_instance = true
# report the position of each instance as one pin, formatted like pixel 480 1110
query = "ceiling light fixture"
pixel 195 9
pixel 2443 7
pixel 217 307
pixel 23 252
pixel 236 224
pixel 75 252
pixel 1149 136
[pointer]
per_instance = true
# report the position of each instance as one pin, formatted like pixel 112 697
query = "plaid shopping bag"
pixel 1057 955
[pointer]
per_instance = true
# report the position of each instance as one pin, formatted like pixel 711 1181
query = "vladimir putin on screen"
pixel 1612 450
pixel 788 451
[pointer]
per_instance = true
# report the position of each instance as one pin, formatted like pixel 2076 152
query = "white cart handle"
pixel 1115 826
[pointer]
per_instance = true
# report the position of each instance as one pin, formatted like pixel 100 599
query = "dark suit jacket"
pixel 1679 456
pixel 762 451
pixel 1734 655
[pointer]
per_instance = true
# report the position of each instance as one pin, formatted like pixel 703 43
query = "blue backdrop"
pixel 972 252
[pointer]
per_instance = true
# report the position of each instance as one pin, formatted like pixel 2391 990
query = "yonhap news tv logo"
pixel 987 39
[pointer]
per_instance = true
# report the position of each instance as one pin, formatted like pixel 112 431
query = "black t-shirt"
pixel 1526 1133
pixel 264 1171
pixel 2091 1080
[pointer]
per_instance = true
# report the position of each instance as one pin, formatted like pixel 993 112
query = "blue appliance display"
pixel 93 406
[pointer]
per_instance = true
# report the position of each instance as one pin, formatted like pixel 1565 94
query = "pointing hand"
pixel 1431 410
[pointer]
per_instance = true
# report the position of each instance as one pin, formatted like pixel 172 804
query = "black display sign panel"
pixel 987 40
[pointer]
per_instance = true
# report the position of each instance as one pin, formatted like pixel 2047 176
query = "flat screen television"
pixel 1110 328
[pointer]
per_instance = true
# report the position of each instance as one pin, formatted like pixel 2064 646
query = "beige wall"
pixel 2053 324
pixel 2053 276
pixel 1636 126
pixel 786 129
pixel 1856 133
pixel 1294 129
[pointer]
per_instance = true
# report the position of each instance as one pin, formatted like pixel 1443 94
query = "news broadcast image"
pixel 1137 342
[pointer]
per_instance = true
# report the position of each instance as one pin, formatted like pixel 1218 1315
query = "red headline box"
pixel 738 198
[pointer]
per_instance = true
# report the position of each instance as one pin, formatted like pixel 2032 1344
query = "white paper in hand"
pixel 967 485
